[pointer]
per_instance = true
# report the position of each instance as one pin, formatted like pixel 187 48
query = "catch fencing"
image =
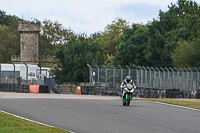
pixel 23 74
pixel 18 77
pixel 185 79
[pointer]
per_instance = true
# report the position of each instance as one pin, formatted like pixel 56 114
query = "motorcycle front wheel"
pixel 128 100
pixel 124 102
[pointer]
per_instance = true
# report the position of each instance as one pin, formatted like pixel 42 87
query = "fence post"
pixel 141 75
pixel 145 76
pixel 177 77
pixel 106 75
pixel 0 73
pixel 154 76
pixel 168 78
pixel 137 76
pixel 26 73
pixel 158 76
pixel 172 77
pixel 191 78
pixel 121 73
pixel 13 75
pixel 134 74
pixel 187 78
pixel 163 77
pixel 150 76
pixel 113 76
pixel 90 77
pixel 129 71
pixel 182 78
pixel 97 74
pixel 197 78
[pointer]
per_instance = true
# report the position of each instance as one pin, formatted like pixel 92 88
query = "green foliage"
pixel 170 40
pixel 187 54
pixel 74 57
pixel 180 23
pixel 9 38
pixel 163 41
pixel 187 34
pixel 19 80
pixel 110 37
pixel 4 19
pixel 132 45
pixel 52 33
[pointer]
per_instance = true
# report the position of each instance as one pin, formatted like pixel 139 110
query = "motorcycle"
pixel 128 95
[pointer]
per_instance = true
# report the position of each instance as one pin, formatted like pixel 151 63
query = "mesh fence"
pixel 157 78
pixel 21 74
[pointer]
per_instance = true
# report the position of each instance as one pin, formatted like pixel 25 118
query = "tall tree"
pixel 110 37
pixel 178 23
pixel 52 33
pixel 74 57
pixel 187 54
pixel 132 45
pixel 188 33
pixel 9 38
pixel 4 18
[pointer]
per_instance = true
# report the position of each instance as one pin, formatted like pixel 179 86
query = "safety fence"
pixel 19 77
pixel 4 87
pixel 22 74
pixel 185 79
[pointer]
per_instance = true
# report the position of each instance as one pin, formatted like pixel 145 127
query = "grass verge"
pixel 191 103
pixel 11 124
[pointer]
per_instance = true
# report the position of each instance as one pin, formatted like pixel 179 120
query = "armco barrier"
pixel 149 93
pixel 44 89
pixel 39 89
pixel 142 92
pixel 174 93
pixel 100 90
pixel 4 87
pixel 198 94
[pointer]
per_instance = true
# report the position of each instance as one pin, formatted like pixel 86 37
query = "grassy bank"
pixel 191 103
pixel 11 124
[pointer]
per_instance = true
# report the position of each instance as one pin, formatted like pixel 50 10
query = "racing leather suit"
pixel 123 86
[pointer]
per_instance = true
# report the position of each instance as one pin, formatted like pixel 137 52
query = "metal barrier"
pixel 11 73
pixel 185 79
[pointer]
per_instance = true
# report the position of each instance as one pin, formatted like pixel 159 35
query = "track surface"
pixel 105 116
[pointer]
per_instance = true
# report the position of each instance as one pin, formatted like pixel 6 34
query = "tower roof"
pixel 29 27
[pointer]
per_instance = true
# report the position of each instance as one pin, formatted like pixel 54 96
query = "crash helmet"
pixel 128 79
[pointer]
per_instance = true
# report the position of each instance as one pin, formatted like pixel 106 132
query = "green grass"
pixel 11 124
pixel 191 103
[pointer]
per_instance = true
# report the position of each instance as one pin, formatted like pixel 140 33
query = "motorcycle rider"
pixel 123 85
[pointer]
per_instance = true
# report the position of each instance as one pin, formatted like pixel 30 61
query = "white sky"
pixel 86 16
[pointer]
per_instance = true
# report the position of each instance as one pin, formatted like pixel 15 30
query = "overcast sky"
pixel 86 16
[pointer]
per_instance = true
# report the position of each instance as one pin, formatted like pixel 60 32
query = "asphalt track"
pixel 104 116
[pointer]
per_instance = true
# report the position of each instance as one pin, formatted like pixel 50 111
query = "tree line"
pixel 171 40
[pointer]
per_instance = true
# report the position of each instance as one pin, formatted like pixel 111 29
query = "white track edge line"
pixel 175 105
pixel 23 118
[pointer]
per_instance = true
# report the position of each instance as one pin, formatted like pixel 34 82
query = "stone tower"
pixel 28 44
